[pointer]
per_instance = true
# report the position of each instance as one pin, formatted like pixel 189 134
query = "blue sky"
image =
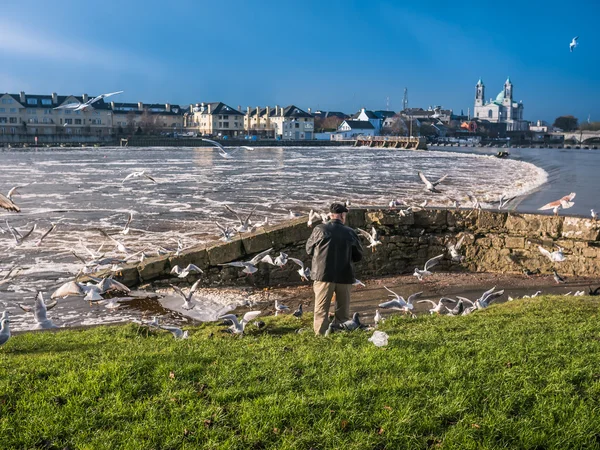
pixel 328 54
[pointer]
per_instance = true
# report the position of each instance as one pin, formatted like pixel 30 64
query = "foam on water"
pixel 84 188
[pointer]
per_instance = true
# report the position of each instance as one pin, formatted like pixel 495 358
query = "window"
pixel 13 130
pixel 32 101
pixel 46 101
pixel 7 101
pixel 32 111
pixel 13 110
pixel 68 111
pixel 226 117
pixel 47 111
pixel 94 121
pixel 33 120
pixel 490 113
pixel 2 109
pixel 225 124
pixel 3 120
pixel 48 130
pixel 69 121
pixel 12 120
pixel 77 121
pixel 45 120
pixel 297 125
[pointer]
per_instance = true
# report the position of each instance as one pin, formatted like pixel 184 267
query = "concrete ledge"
pixel 153 268
pixel 194 255
pixel 225 252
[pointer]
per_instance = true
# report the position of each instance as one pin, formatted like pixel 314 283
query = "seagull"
pixel 226 232
pixel 69 289
pixel 533 296
pixel 303 271
pixel 429 186
pixel 298 312
pixel 528 273
pixel 39 312
pixel 264 223
pixel 8 204
pixel 474 201
pixel 424 203
pixel 556 256
pixel 399 303
pixel 110 285
pixel 52 228
pixel 138 175
pixel 222 151
pixel 437 307
pixel 352 324
pixel 187 299
pixel 18 237
pixel 176 332
pixel 238 327
pixel 594 214
pixel 458 309
pixel 9 275
pixel 504 201
pixel 250 266
pixel 280 308
pixel 420 274
pixel 358 283
pixel 312 215
pixel 125 229
pixel 378 318
pixel 78 106
pixel 120 246
pixel 372 238
pixel 487 298
pixel 281 260
pixel 182 273
pixel 557 277
pixel 244 223
pixel 564 202
pixel 294 215
pixel 573 43
pixel 453 249
pixel 4 332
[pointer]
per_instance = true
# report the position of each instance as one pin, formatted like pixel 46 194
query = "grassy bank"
pixel 521 375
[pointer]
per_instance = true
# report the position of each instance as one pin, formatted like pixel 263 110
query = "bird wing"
pixel 395 295
pixel 365 234
pixel 150 178
pixel 440 180
pixel 544 252
pixel 194 288
pixel 108 236
pixel 413 297
pixel 493 296
pixel 234 213
pixel 46 234
pixel 128 221
pixel 428 301
pixel 179 291
pixel 234 264
pixel 550 205
pixel 424 179
pixel 433 261
pixel 14 189
pixel 486 294
pixel 101 96
pixel 26 235
pixel 465 300
pixel 447 299
pixel 221 227
pixel 215 143
pixel 459 243
pixel 297 261
pixel 575 38
pixel 251 315
pixel 69 106
pixel 8 204
pixel 231 317
pixel 25 307
pixel 373 233
pixel 254 261
pixel 67 289
pixel 392 304
pixel 249 215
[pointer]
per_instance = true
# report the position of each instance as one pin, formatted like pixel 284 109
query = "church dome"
pixel 500 96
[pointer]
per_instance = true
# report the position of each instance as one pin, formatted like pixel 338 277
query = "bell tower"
pixel 508 99
pixel 479 93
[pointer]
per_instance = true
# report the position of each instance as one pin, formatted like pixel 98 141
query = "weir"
pixel 495 241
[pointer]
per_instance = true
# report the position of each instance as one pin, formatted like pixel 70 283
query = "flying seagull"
pixel 564 203
pixel 8 204
pixel 18 237
pixel 437 307
pixel 125 229
pixel 250 266
pixel 39 312
pixel 420 274
pixel 187 298
pixel 555 256
pixel 573 44
pixel 399 303
pixel 244 222
pixel 222 151
pixel 182 273
pixel 454 248
pixel 139 174
pixel 372 238
pixel 226 232
pixel 238 327
pixel 429 185
pixel 78 106
pixel 303 271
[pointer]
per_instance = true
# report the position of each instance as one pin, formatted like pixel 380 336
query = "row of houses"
pixel 37 115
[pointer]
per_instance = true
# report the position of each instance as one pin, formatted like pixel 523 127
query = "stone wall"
pixel 494 242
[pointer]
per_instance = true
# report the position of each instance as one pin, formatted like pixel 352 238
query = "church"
pixel 501 110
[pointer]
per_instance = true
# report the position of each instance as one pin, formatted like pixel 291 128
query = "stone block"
pixel 153 268
pixel 579 228
pixel 488 220
pixel 225 252
pixel 483 242
pixel 388 217
pixel 426 218
pixel 514 242
pixel 289 232
pixel 194 255
pixel 257 242
pixel 533 225
pixel 356 218
pixel 591 252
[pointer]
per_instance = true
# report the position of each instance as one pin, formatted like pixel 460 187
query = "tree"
pixel 131 122
pixel 330 123
pixel 148 122
pixel 593 126
pixel 566 123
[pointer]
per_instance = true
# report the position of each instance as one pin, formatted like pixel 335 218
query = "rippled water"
pixel 84 189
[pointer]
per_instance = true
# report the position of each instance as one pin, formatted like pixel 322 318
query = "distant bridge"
pixel 583 137
pixel 404 142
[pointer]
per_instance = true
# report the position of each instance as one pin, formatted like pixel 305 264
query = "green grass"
pixel 520 375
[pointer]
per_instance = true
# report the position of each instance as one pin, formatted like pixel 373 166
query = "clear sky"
pixel 327 54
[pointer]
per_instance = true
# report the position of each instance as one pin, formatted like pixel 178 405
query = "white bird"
pixel 4 332
pixel 573 43
pixel 264 223
pixel 533 295
pixel 176 332
pixel 18 237
pixel 250 266
pixel 437 307
pixel 281 260
pixel 78 106
pixel 120 246
pixel 52 228
pixel 504 201
pixel 92 295
pixel 474 201
pixel 138 175
pixel 399 303
pixel 420 274
pixel 222 151
pixel 557 278
pixel 280 308
pixel 454 248
pixel 429 186
pixel 125 229
pixel 238 327
pixel 69 289
pixel 358 283
pixel 378 318
pixel 303 271
pixel 226 232
pixel 555 256
pixel 424 203
pixel 244 222
pixel 487 298
pixel 579 294
pixel 564 202
pixel 594 214
pixel 372 238
pixel 187 298
pixel 182 273
pixel 313 215
pixel 39 311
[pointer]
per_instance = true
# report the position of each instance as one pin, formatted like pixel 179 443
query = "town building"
pixel 369 116
pixel 287 123
pixel 215 119
pixel 501 110
pixel 150 118
pixel 349 129
pixel 433 112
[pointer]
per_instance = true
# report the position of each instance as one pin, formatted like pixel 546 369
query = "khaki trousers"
pixel 323 294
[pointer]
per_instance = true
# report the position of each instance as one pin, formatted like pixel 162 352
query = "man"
pixel 333 247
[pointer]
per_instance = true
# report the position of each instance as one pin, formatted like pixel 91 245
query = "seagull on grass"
pixel 238 327
pixel 280 308
pixel 250 266
pixel 399 303
pixel 39 311
pixel 187 298
pixel 371 237
pixel 439 306
pixel 420 274
pixel 378 318
pixel 176 332
pixel 138 175
pixel 555 256
pixel 4 332
pixel 429 186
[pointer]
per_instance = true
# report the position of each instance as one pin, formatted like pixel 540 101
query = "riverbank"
pixel 448 382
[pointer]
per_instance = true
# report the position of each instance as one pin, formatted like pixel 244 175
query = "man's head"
pixel 338 211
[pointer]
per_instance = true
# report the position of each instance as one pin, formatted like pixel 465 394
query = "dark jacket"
pixel 333 247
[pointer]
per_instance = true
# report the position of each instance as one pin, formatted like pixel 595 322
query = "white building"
pixel 349 129
pixel 369 116
pixel 501 110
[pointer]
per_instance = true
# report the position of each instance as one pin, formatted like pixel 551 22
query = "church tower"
pixel 479 93
pixel 508 99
